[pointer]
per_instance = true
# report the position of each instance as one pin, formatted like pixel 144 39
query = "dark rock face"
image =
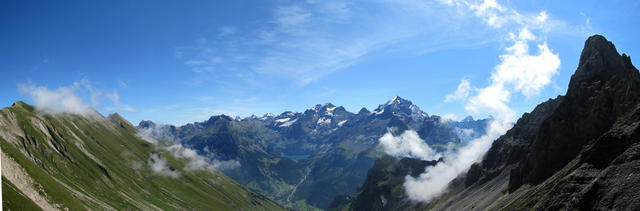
pixel 604 87
pixel 146 124
pixel 602 177
pixel 511 147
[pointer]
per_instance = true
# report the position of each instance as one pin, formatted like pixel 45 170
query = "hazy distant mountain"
pixel 312 155
pixel 575 152
pixel 66 161
pixel 469 128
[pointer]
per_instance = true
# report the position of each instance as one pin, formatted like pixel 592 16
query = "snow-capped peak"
pixel 398 105
pixel 397 100
pixel 315 107
pixel 325 109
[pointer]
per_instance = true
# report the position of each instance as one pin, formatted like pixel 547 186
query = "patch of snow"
pixel 315 107
pixel 324 121
pixel 393 100
pixel 378 112
pixel 342 122
pixel 288 123
pixel 283 120
pixel 330 110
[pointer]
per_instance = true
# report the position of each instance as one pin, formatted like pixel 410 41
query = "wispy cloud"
pixel 62 99
pixel 292 19
pixel 461 93
pixel 194 161
pixel 71 99
pixel 435 179
pixel 160 166
pixel 305 41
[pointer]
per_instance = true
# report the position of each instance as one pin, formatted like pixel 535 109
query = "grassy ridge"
pixel 99 163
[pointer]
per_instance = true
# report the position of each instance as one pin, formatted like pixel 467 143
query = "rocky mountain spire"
pixel 604 87
pixel 600 59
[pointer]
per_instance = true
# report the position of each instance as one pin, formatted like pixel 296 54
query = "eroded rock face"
pixel 508 150
pixel 604 88
pixel 605 175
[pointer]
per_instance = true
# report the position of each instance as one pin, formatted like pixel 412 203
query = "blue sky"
pixel 178 62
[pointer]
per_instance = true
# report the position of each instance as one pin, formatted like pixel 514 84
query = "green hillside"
pixel 69 161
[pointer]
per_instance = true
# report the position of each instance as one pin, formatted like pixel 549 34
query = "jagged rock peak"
pixel 363 111
pixel 22 104
pixel 146 124
pixel 400 105
pixel 18 103
pixel 398 100
pixel 599 57
pixel 319 107
pixel 115 115
pixel 118 118
pixel 219 117
pixel 329 105
pixel 286 114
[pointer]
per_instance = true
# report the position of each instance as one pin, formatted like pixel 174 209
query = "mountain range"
pixel 312 156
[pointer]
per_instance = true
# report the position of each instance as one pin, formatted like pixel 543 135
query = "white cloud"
pixel 63 99
pixel 160 166
pixel 199 163
pixel 70 99
pixel 528 73
pixel 542 17
pixel 449 117
pixel 408 144
pixel 148 135
pixel 462 92
pixel 518 71
pixel 435 179
pixel 195 162
pixel 292 18
pixel 114 97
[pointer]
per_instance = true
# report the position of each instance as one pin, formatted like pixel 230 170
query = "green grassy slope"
pixel 80 162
